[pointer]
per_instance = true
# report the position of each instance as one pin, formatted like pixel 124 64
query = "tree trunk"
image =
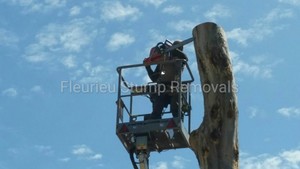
pixel 215 142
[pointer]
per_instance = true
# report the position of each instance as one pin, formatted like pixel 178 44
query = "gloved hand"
pixel 147 60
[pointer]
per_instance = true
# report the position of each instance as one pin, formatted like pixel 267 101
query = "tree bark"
pixel 215 142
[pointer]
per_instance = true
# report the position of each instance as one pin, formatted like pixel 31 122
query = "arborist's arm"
pixel 154 75
pixel 178 54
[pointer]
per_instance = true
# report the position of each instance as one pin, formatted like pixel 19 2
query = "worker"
pixel 165 74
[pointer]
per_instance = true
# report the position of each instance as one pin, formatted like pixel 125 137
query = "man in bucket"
pixel 165 74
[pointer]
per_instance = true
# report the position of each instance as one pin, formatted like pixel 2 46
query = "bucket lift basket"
pixel 161 134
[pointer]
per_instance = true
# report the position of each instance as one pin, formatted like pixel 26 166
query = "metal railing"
pixel 184 97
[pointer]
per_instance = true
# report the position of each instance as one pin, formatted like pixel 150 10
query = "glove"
pixel 147 60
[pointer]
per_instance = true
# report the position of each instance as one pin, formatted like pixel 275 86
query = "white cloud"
pixel 117 11
pixel 89 4
pixel 66 159
pixel 255 68
pixel 10 92
pixel 179 162
pixel 46 150
pixel 292 157
pixel 13 151
pixel 172 10
pixel 95 157
pixel 240 35
pixel 291 2
pixel 289 111
pixel 76 35
pixel 217 11
pixel 256 33
pixel 160 165
pixel 155 3
pixel 75 10
pixel 81 150
pixel 8 38
pixel 36 89
pixel 156 36
pixel 69 61
pixel 58 39
pixel 253 112
pixel 117 40
pixel 56 3
pixel 35 53
pixel 36 5
pixel 277 14
pixel 62 44
pixel 182 25
pixel 87 73
pixel 261 28
pixel 285 160
pixel 92 74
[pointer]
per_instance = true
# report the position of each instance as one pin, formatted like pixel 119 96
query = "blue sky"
pixel 46 42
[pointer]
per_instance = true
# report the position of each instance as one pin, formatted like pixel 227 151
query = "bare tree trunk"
pixel 215 142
